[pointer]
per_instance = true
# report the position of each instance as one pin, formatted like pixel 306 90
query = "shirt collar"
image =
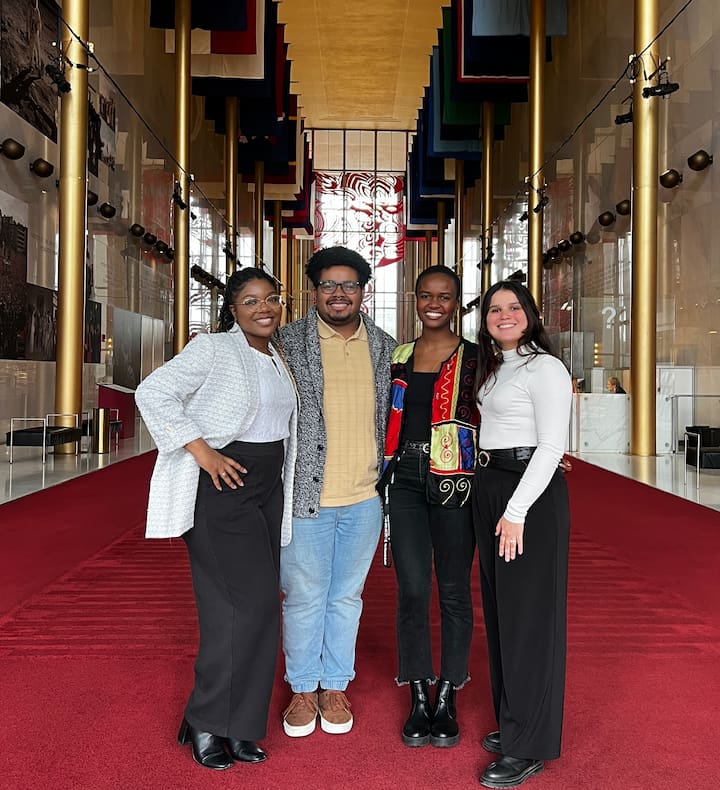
pixel 326 331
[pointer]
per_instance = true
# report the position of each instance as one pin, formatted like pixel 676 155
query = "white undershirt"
pixel 276 403
pixel 527 404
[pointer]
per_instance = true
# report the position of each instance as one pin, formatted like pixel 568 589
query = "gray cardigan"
pixel 301 345
pixel 209 390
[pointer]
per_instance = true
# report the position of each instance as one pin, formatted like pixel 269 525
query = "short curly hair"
pixel 337 256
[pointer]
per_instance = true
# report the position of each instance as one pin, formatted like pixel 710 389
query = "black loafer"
pixel 491 742
pixel 208 750
pixel 510 772
pixel 245 751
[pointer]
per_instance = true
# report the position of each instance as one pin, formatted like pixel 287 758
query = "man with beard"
pixel 341 363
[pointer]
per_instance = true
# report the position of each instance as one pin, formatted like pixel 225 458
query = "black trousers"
pixel 234 550
pixel 419 532
pixel 524 604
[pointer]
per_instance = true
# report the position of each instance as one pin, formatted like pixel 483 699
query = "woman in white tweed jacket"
pixel 223 414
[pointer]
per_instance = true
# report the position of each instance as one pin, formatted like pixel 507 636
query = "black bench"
pixel 702 447
pixel 44 435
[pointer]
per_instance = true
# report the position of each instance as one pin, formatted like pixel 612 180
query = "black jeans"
pixel 420 530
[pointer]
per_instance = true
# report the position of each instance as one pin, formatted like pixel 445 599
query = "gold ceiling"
pixel 361 64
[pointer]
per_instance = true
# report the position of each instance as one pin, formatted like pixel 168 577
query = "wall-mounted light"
pixel 623 207
pixel 544 200
pixel 661 89
pixel 697 161
pixel 137 230
pixel 161 247
pixel 563 245
pixel 624 117
pixel 92 198
pixel 150 239
pixel 12 149
pixel 578 237
pixel 524 216
pixel 58 77
pixel 546 262
pixel 606 219
pixel 553 253
pixel 106 210
pixel 42 168
pixel 670 178
pixel 170 254
pixel 177 197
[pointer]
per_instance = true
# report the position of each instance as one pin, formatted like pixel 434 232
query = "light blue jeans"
pixel 322 575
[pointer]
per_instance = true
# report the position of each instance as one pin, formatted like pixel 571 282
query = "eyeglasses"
pixel 330 286
pixel 274 300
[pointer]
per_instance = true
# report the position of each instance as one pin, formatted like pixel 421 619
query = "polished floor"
pixel 28 474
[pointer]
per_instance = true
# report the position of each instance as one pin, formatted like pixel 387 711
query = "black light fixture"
pixel 162 247
pixel 106 210
pixel 177 197
pixel 524 216
pixel 150 239
pixel 58 77
pixel 606 219
pixel 137 230
pixel 577 237
pixel 563 245
pixel 544 200
pixel 663 88
pixel 697 161
pixel 624 117
pixel 170 253
pixel 623 207
pixel 670 178
pixel 42 168
pixel 546 262
pixel 12 149
pixel 553 253
pixel 92 198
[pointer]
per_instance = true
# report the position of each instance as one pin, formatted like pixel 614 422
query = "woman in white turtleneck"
pixel 522 525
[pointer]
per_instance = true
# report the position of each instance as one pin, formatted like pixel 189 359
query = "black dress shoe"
pixel 208 750
pixel 245 751
pixel 416 731
pixel 510 772
pixel 444 730
pixel 491 742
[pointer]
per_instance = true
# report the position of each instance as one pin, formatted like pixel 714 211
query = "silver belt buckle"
pixel 483 458
pixel 425 448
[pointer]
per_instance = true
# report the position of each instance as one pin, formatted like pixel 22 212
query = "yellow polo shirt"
pixel 351 469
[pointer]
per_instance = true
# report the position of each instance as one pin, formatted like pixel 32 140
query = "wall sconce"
pixel 606 219
pixel 137 230
pixel 161 247
pixel 563 245
pixel 150 239
pixel 553 252
pixel 106 210
pixel 623 207
pixel 170 254
pixel 671 178
pixel 42 168
pixel 697 161
pixel 546 262
pixel 92 198
pixel 12 149
pixel 578 237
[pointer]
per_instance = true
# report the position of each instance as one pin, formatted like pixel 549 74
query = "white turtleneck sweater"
pixel 527 404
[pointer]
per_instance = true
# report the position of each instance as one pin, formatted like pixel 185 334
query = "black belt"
pixel 513 459
pixel 416 447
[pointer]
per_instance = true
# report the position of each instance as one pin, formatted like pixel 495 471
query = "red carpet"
pixel 96 655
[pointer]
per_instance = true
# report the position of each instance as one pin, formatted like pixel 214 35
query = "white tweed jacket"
pixel 209 390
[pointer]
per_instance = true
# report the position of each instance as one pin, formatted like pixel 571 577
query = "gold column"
pixel 441 233
pixel 259 219
pixel 643 316
pixel 290 285
pixel 73 218
pixel 231 195
pixel 488 189
pixel 537 147
pixel 181 264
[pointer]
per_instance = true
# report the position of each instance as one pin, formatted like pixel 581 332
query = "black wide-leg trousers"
pixel 524 605
pixel 234 550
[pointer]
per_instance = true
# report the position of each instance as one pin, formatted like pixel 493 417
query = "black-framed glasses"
pixel 274 300
pixel 349 287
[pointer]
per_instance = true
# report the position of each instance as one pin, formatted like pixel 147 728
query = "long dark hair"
pixel 236 282
pixel 534 339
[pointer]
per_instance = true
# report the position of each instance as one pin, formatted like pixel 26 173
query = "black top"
pixel 418 407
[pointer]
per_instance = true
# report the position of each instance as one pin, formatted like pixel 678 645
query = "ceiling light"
pixel 12 149
pixel 697 161
pixel 578 237
pixel 106 210
pixel 42 168
pixel 563 245
pixel 606 219
pixel 623 207
pixel 137 230
pixel 671 178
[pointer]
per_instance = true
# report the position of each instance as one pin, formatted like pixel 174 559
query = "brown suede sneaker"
pixel 301 714
pixel 335 716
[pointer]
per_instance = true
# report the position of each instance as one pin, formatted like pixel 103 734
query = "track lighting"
pixel 57 76
pixel 42 168
pixel 578 237
pixel 623 207
pixel 106 210
pixel 697 161
pixel 606 219
pixel 12 149
pixel 137 230
pixel 670 178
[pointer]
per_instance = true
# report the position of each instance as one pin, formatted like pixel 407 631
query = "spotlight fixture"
pixel 606 219
pixel 697 161
pixel 625 117
pixel 518 276
pixel 106 210
pixel 12 149
pixel 670 178
pixel 578 237
pixel 623 207
pixel 150 239
pixel 563 245
pixel 544 200
pixel 663 88
pixel 137 230
pixel 170 254
pixel 42 168
pixel 553 252
pixel 92 198
pixel 161 247
pixel 57 76
pixel 546 262
pixel 177 197
pixel 524 216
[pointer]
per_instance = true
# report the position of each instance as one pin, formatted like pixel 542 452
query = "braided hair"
pixel 236 282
